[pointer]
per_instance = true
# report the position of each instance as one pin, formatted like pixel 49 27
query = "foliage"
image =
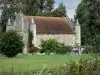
pixel 33 49
pixel 96 44
pixel 11 43
pixel 44 8
pixel 88 14
pixel 52 45
pixel 60 11
pixel 88 49
pixel 30 38
pixel 63 49
pixel 38 7
pixel 84 67
pixel 48 45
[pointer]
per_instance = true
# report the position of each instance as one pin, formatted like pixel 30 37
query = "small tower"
pixel 78 33
pixel 9 25
pixel 32 28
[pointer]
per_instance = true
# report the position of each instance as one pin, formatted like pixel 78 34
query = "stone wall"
pixel 68 39
pixel 21 26
pixel 25 40
pixel 78 35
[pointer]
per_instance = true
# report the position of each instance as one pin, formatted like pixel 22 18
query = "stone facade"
pixel 67 39
pixel 21 25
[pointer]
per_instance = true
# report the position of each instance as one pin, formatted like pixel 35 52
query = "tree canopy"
pixel 60 11
pixel 88 14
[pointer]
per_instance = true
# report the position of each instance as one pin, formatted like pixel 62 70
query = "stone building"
pixel 44 28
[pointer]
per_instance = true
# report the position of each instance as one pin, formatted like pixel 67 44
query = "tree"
pixel 96 44
pixel 30 38
pixel 38 7
pixel 11 43
pixel 9 8
pixel 50 5
pixel 60 11
pixel 88 14
pixel 31 7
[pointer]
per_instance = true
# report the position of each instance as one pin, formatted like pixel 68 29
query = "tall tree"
pixel 31 7
pixel 50 5
pixel 88 13
pixel 60 11
pixel 38 7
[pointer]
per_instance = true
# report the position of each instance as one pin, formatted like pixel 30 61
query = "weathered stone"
pixel 22 26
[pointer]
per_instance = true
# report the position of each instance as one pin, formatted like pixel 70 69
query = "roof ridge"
pixel 45 16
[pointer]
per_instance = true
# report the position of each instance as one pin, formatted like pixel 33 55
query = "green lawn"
pixel 22 63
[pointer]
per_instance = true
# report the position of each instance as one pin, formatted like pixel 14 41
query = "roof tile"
pixel 51 25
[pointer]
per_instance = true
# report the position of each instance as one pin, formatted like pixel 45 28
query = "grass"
pixel 23 63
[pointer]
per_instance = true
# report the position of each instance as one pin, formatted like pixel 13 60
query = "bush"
pixel 52 45
pixel 88 49
pixel 33 49
pixel 11 43
pixel 63 49
pixel 48 46
pixel 84 67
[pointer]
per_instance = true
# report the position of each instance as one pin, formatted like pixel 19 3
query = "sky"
pixel 71 5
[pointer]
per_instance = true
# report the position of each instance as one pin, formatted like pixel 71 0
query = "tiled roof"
pixel 51 25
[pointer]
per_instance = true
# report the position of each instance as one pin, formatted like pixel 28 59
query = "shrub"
pixel 84 67
pixel 63 49
pixel 33 49
pixel 88 49
pixel 48 46
pixel 11 43
pixel 52 45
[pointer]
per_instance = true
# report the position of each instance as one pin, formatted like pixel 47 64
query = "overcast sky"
pixel 70 4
